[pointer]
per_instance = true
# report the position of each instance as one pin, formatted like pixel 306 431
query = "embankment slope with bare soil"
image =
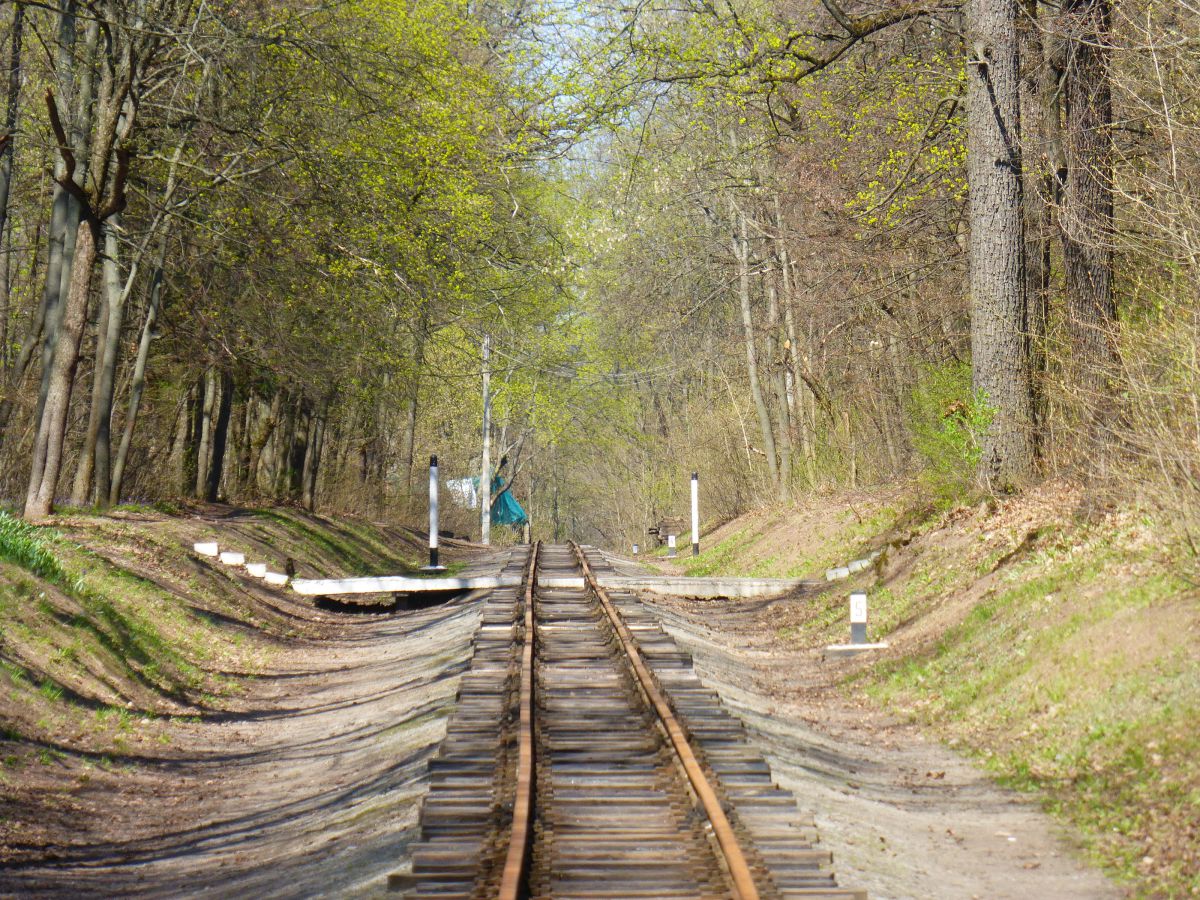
pixel 1059 653
pixel 173 725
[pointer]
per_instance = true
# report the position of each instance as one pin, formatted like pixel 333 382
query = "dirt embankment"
pixel 905 818
pixel 1059 652
pixel 173 726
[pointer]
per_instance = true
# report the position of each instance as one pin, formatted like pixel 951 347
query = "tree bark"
pixel 181 443
pixel 260 469
pixel 778 382
pixel 1039 126
pixel 208 408
pixel 220 435
pixel 284 443
pixel 8 138
pixel 87 454
pixel 73 209
pixel 63 207
pixel 312 460
pixel 138 384
pixel 999 348
pixel 741 252
pixel 1086 218
pixel 48 444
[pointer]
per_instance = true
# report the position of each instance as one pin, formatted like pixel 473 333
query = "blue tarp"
pixel 505 508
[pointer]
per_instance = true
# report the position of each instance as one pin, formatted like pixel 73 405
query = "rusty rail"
pixel 735 859
pixel 512 880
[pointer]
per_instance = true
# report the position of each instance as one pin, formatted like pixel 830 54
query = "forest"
pixel 270 252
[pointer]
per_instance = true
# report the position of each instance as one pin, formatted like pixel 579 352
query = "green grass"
pixel 345 546
pixel 1036 680
pixel 736 554
pixel 26 546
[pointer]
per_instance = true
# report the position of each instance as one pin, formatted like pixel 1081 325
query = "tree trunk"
pixel 999 348
pixel 244 443
pixel 10 123
pixel 208 408
pixel 260 469
pixel 413 399
pixel 48 445
pixel 95 457
pixel 285 435
pixel 59 233
pixel 778 381
pixel 72 209
pixel 312 459
pixel 741 252
pixel 181 444
pixel 795 368
pixel 220 436
pixel 1039 126
pixel 138 383
pixel 118 294
pixel 1087 210
pixel 87 454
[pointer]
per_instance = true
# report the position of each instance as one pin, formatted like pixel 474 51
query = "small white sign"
pixel 858 607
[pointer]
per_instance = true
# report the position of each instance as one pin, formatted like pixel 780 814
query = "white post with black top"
pixel 695 514
pixel 433 518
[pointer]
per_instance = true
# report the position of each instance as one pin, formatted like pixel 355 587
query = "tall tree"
pixel 999 349
pixel 1087 207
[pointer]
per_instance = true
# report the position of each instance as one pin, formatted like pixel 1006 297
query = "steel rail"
pixel 735 859
pixel 513 878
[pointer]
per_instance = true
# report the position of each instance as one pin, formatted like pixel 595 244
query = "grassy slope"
pixel 110 625
pixel 1063 654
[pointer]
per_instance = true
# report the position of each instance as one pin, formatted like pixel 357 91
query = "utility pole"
pixel 485 469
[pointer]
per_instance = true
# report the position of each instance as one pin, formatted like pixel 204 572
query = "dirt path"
pixel 313 790
pixel 904 817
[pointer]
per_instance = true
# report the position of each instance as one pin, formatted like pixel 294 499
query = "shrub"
pixel 25 545
pixel 946 420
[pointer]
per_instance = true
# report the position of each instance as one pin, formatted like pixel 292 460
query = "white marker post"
pixel 670 546
pixel 433 519
pixel 635 549
pixel 858 618
pixel 695 514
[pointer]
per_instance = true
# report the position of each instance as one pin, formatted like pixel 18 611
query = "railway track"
pixel 586 760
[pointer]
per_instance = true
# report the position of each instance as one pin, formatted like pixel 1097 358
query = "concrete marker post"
pixel 858 617
pixel 635 549
pixel 695 514
pixel 433 518
pixel 670 546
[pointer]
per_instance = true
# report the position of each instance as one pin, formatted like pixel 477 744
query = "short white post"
pixel 670 546
pixel 858 617
pixel 635 549
pixel 695 514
